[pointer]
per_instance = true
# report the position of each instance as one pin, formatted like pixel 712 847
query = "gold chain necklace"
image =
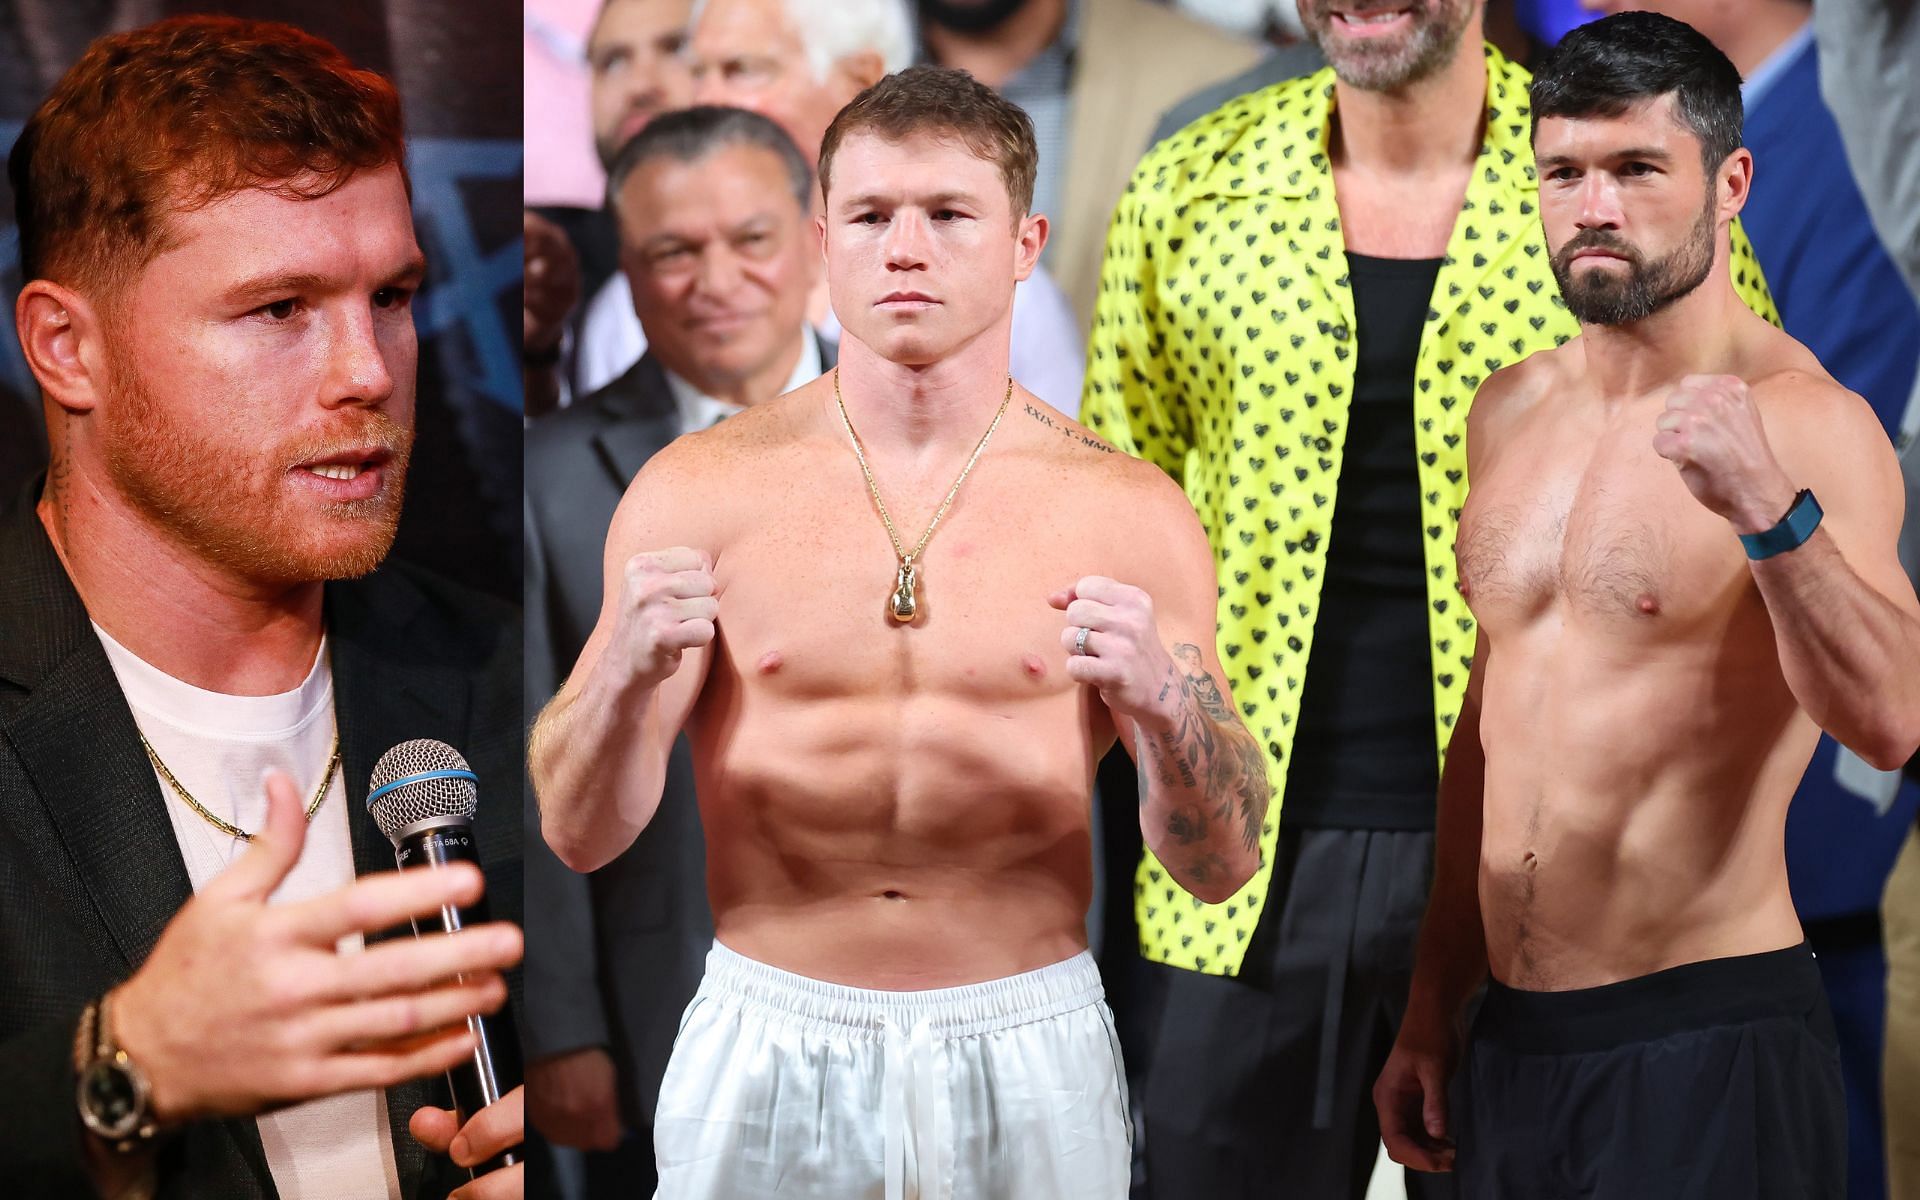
pixel 903 604
pixel 227 827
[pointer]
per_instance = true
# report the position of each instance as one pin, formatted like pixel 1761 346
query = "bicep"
pixel 1174 567
pixel 1187 604
pixel 1850 467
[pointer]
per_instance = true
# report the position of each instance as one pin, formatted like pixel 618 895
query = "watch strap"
pixel 1790 532
pixel 97 1053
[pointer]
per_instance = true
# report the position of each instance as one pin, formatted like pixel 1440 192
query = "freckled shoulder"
pixel 1117 484
pixel 698 488
pixel 1151 519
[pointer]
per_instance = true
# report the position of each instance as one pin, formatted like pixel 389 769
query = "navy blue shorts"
pixel 1714 1079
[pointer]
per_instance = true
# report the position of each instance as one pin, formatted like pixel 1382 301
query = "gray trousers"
pixel 1260 1086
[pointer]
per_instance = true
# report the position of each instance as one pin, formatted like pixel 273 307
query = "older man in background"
pixel 800 62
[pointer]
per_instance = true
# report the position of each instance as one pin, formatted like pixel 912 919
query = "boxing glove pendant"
pixel 903 605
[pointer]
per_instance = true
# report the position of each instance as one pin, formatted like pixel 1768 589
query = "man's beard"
pixel 232 511
pixel 1600 297
pixel 1388 64
pixel 981 17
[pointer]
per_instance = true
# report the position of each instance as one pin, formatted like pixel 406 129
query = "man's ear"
pixel 60 334
pixel 1734 183
pixel 1030 238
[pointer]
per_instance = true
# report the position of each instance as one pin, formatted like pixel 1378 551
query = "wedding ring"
pixel 1080 640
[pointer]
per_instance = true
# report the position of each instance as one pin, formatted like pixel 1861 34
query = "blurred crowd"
pixel 673 278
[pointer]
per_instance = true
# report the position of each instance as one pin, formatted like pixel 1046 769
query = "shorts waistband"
pixel 1697 995
pixel 964 1011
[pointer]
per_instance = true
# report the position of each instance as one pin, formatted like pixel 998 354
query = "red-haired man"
pixel 220 258
pixel 895 614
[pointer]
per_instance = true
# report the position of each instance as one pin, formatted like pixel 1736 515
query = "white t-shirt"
pixel 218 746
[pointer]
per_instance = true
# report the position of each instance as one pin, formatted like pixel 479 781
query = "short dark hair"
pixel 690 134
pixel 1604 68
pixel 178 115
pixel 943 102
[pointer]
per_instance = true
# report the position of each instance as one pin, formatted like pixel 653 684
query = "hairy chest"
pixel 1594 527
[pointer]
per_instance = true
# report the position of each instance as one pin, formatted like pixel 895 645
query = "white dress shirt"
pixel 700 411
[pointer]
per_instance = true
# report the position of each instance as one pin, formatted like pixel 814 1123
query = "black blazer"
pixel 90 871
pixel 612 958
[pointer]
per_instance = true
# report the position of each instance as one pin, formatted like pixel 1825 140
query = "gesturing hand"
pixel 244 1007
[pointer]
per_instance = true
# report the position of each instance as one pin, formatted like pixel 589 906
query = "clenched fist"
pixel 667 607
pixel 1711 430
pixel 1121 653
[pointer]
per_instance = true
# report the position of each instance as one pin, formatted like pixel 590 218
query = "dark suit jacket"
pixel 90 871
pixel 612 958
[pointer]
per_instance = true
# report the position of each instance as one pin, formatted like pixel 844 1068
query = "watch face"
pixel 109 1095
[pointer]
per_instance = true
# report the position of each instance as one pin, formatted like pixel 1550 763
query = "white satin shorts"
pixel 788 1087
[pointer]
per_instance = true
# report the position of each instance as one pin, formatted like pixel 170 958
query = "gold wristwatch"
pixel 112 1094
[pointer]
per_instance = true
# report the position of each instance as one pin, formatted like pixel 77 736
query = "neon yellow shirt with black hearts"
pixel 1223 351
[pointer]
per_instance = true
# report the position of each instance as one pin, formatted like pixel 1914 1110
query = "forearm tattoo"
pixel 1208 749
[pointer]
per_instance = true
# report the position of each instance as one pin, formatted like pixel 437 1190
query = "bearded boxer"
pixel 1679 544
pixel 900 624
pixel 201 993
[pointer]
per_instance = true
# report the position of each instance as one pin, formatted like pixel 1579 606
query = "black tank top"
pixel 1363 752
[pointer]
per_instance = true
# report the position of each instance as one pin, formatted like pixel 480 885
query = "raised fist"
pixel 1711 430
pixel 667 607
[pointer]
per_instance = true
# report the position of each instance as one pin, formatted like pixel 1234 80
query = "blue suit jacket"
pixel 1842 297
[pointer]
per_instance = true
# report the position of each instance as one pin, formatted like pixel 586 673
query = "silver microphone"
pixel 423 796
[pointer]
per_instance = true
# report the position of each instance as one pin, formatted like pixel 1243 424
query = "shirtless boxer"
pixel 1646 689
pixel 894 763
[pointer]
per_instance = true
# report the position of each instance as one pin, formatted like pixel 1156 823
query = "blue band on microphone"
pixel 422 777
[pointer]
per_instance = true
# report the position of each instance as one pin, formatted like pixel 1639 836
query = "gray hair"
pixel 690 134
pixel 833 29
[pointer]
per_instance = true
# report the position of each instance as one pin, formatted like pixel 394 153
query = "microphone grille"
pixel 418 780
